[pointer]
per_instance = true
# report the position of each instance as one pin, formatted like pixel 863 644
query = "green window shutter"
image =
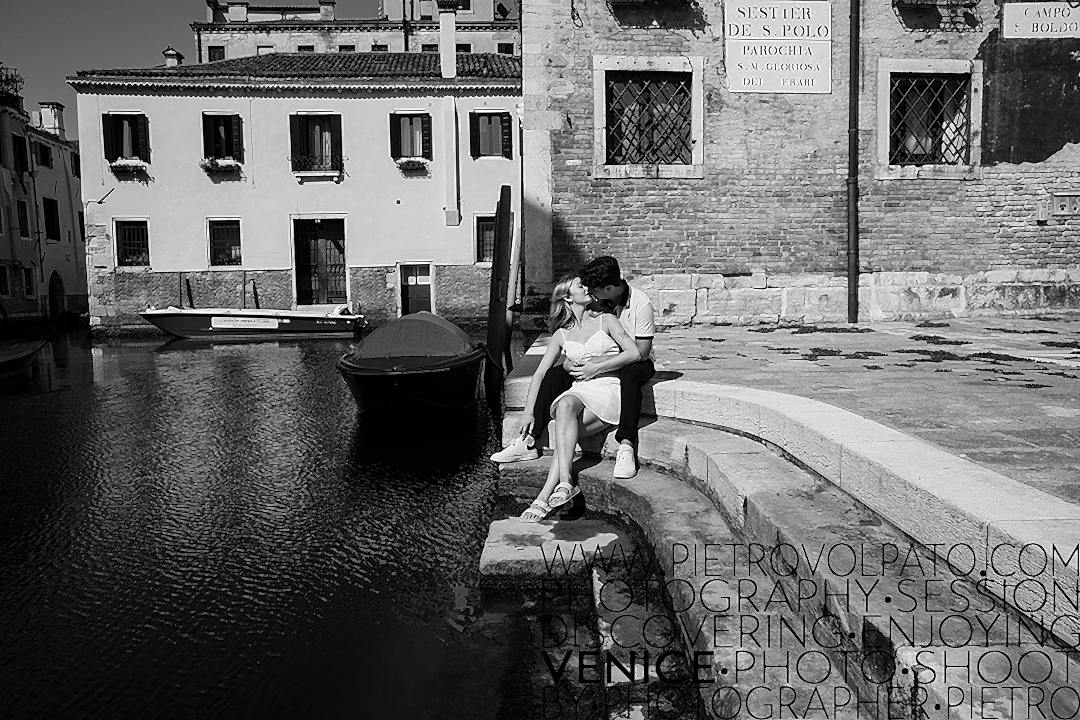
pixel 109 137
pixel 295 141
pixel 507 128
pixel 142 138
pixel 474 134
pixel 335 142
pixel 208 135
pixel 395 136
pixel 425 132
pixel 238 138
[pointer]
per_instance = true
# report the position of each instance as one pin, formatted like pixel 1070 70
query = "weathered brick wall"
pixel 762 235
pixel 461 293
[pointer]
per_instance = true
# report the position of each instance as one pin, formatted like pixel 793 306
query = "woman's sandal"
pixel 563 493
pixel 536 512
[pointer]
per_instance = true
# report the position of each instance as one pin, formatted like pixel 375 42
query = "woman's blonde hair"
pixel 560 315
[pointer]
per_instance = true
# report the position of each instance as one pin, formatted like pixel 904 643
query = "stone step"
pixel 903 614
pixel 724 613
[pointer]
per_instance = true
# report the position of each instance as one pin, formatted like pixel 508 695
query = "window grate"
pixel 225 242
pixel 648 118
pixel 485 239
pixel 132 243
pixel 929 119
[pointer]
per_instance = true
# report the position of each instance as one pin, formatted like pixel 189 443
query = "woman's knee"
pixel 568 408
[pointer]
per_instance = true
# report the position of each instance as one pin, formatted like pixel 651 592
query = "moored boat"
pixel 252 323
pixel 417 360
pixel 17 355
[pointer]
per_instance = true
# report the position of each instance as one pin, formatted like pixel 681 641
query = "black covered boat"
pixel 417 360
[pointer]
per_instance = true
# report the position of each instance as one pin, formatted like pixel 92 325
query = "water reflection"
pixel 211 532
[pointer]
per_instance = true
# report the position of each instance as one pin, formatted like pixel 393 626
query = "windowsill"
pixel 928 172
pixel 492 157
pixel 303 176
pixel 225 268
pixel 132 268
pixel 482 263
pixel 649 171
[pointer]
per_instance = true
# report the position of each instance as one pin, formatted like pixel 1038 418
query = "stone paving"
pixel 1001 392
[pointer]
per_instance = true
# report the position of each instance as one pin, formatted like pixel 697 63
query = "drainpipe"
pixel 405 24
pixel 853 169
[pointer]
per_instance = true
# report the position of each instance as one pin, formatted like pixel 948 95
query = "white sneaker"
pixel 515 452
pixel 625 463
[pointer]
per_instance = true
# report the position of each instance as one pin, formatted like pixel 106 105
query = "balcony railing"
pixel 316 163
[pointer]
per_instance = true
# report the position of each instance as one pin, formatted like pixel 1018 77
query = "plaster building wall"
pixel 389 218
pixel 38 260
pixel 755 227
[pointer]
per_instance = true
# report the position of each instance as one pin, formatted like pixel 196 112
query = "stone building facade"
pixel 238 29
pixel 42 250
pixel 968 161
pixel 292 180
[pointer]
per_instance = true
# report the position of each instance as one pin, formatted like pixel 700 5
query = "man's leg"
pixel 631 380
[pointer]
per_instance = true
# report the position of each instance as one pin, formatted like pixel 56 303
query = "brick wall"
pixel 762 235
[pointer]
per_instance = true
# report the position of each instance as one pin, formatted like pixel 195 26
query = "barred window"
pixel 315 142
pixel 225 242
pixel 132 243
pixel 929 119
pixel 485 239
pixel 648 118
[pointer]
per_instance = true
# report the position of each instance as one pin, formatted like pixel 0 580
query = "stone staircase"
pixel 805 602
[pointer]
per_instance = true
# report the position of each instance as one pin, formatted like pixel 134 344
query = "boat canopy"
pixel 417 335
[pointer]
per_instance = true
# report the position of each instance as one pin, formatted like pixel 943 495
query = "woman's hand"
pixel 525 424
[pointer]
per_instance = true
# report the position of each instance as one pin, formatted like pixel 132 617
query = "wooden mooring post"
pixel 498 325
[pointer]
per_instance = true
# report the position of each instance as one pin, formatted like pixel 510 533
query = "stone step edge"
pixel 937 498
pixel 722 469
pixel 650 503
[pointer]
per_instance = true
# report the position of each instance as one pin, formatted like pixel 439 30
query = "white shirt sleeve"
pixel 644 322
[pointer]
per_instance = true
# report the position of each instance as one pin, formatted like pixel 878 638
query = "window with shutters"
pixel 51 210
pixel 215 52
pixel 224 242
pixel 23 213
pixel 929 118
pixel 491 134
pixel 44 155
pixel 125 137
pixel 316 143
pixel 649 117
pixel 410 135
pixel 132 243
pixel 19 155
pixel 223 137
pixel 485 238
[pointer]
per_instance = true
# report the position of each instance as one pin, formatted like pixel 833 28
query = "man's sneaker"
pixel 515 452
pixel 625 463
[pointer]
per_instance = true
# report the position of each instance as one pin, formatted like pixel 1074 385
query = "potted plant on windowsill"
pixel 413 166
pixel 129 165
pixel 219 165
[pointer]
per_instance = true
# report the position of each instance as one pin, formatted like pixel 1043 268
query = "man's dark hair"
pixel 601 272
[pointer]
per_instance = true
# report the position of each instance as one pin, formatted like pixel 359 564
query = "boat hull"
pixel 451 385
pixel 208 324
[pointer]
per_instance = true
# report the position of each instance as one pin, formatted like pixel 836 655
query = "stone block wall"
pixel 461 293
pixel 771 207
pixel 375 289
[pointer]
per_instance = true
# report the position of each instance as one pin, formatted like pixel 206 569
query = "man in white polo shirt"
pixel 604 280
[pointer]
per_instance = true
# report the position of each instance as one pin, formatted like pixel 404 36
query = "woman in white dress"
pixel 592 404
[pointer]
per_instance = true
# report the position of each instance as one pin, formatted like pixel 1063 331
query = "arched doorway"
pixel 57 298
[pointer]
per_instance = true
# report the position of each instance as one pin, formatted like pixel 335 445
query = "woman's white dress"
pixel 600 394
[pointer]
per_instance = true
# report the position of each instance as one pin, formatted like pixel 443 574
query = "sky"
pixel 46 42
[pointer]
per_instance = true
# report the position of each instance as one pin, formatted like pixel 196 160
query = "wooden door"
pixel 415 288
pixel 320 261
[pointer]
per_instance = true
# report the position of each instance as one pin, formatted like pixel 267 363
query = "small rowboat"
pixel 419 360
pixel 17 355
pixel 242 323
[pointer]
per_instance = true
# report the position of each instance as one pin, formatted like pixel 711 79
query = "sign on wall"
pixel 778 46
pixel 1040 20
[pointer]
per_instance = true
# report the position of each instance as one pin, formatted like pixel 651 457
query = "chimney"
pixel 173 57
pixel 238 11
pixel 448 37
pixel 326 10
pixel 52 118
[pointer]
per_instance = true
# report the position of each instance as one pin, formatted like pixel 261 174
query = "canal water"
pixel 199 531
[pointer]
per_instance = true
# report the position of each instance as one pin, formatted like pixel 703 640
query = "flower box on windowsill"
pixel 413 166
pixel 129 165
pixel 219 165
